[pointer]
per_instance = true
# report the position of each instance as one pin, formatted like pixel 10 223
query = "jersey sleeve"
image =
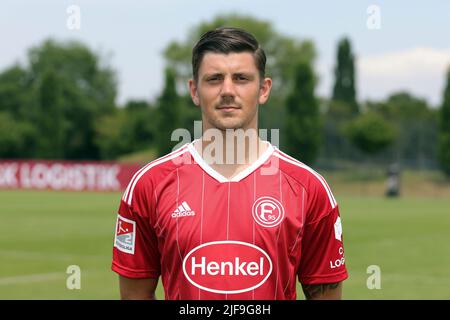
pixel 322 250
pixel 135 251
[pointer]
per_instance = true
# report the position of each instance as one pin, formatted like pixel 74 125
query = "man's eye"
pixel 241 78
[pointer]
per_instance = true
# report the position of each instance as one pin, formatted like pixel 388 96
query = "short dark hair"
pixel 226 40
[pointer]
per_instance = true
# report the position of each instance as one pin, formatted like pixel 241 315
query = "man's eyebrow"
pixel 208 75
pixel 248 74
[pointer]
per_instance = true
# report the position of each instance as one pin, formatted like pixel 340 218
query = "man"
pixel 228 229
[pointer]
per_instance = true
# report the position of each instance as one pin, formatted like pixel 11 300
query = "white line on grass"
pixel 31 255
pixel 38 277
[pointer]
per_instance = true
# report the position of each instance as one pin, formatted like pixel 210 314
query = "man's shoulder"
pixel 150 174
pixel 312 181
pixel 165 164
pixel 296 169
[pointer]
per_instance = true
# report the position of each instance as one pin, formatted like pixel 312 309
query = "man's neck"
pixel 230 153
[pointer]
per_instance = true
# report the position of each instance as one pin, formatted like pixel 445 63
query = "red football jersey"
pixel 209 237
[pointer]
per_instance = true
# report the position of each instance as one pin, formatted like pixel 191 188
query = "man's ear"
pixel 264 91
pixel 193 91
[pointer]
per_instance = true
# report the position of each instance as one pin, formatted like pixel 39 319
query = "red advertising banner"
pixel 66 175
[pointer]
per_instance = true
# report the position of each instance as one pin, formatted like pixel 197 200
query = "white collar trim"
pixel 241 175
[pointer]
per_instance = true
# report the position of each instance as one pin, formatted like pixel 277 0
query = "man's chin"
pixel 230 126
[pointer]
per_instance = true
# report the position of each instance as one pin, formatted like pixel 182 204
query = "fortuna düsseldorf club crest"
pixel 268 212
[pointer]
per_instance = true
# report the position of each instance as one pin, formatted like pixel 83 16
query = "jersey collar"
pixel 241 175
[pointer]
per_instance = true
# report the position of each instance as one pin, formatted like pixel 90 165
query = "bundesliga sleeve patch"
pixel 125 236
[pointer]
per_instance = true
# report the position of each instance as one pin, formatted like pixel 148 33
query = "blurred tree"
pixel 344 86
pixel 303 121
pixel 50 118
pixel 416 143
pixel 140 125
pixel 126 130
pixel 336 146
pixel 15 97
pixel 444 133
pixel 370 133
pixel 87 87
pixel 63 91
pixel 17 138
pixel 168 114
pixel 340 109
pixel 402 105
pixel 111 137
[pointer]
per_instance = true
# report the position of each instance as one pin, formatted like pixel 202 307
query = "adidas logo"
pixel 183 210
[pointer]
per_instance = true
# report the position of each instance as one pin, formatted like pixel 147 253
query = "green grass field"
pixel 42 233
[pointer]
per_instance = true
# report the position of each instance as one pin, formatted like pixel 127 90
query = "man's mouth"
pixel 228 108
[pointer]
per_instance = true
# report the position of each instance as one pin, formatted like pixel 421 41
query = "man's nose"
pixel 228 87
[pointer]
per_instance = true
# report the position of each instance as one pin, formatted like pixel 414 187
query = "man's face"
pixel 229 90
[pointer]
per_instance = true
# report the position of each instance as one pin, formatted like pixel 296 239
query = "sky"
pixel 398 45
